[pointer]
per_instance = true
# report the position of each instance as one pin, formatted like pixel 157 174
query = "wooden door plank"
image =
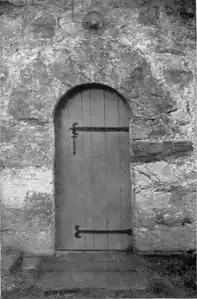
pixel 83 177
pixel 98 165
pixel 87 172
pixel 117 154
pixel 73 210
pixel 112 161
pixel 124 172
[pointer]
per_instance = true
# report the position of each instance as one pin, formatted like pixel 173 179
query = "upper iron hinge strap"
pixel 75 128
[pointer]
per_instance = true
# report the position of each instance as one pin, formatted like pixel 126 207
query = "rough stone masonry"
pixel 47 51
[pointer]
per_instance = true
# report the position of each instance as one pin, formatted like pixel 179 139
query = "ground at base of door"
pixel 28 284
pixel 35 293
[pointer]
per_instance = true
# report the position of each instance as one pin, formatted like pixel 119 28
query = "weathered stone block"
pixel 181 77
pixel 146 151
pixel 164 214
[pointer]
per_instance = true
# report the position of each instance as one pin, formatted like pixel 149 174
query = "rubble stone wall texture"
pixel 150 60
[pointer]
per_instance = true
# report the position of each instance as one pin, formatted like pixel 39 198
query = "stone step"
pixel 97 280
pixel 113 270
pixel 107 272
pixel 88 261
pixel 99 293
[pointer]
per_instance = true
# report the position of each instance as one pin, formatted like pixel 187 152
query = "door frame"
pixel 60 105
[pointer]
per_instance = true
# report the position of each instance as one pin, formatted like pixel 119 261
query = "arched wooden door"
pixel 93 184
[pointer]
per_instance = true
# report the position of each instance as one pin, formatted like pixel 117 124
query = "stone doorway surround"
pixel 48 59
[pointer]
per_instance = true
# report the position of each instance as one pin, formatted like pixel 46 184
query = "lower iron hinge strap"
pixel 79 231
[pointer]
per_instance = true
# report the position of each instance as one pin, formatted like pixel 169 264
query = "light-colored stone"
pixel 45 53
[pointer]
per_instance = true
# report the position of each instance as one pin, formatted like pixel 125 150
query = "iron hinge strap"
pixel 75 128
pixel 102 129
pixel 99 231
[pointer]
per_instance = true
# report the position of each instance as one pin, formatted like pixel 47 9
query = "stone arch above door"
pixel 62 102
pixel 132 78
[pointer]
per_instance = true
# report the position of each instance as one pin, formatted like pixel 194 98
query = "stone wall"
pixel 45 53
